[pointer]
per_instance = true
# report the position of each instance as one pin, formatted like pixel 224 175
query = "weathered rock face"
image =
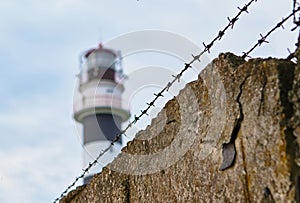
pixel 231 136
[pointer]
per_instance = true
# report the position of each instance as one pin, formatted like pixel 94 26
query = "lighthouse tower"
pixel 99 105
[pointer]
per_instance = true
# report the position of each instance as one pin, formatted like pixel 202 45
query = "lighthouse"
pixel 99 107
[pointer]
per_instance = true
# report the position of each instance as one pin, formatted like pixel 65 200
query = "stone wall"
pixel 231 136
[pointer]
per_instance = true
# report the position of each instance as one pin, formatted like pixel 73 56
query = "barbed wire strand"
pixel 295 21
pixel 177 77
pixel 291 55
pixel 264 37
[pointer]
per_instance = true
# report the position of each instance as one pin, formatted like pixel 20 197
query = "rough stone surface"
pixel 246 111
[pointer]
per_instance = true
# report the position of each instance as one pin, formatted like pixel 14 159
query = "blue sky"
pixel 40 42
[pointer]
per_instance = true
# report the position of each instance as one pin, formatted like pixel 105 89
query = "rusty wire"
pixel 264 37
pixel 177 77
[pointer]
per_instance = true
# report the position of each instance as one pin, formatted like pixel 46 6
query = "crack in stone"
pixel 247 189
pixel 241 118
pixel 171 121
pixel 267 197
pixel 229 149
pixel 126 190
pixel 262 95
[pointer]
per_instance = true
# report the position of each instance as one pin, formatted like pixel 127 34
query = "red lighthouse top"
pixel 100 63
pixel 100 47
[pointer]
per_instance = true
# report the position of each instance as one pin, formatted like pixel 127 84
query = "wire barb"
pixel 188 65
pixel 297 23
pixel 280 24
pixel 232 21
pixel 168 86
pixel 206 47
pixel 262 40
pixel 291 56
pixel 196 58
pixel 158 95
pixel 144 112
pixel 244 9
pixel 176 77
pixel 136 118
pixel 151 104
pixel 221 34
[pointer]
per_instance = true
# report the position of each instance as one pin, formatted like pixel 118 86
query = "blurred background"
pixel 40 43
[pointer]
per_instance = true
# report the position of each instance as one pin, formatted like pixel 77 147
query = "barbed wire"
pixel 177 77
pixel 263 38
pixel 291 55
pixel 296 22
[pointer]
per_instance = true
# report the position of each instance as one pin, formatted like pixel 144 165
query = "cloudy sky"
pixel 40 41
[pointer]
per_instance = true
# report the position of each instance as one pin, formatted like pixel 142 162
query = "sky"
pixel 40 42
